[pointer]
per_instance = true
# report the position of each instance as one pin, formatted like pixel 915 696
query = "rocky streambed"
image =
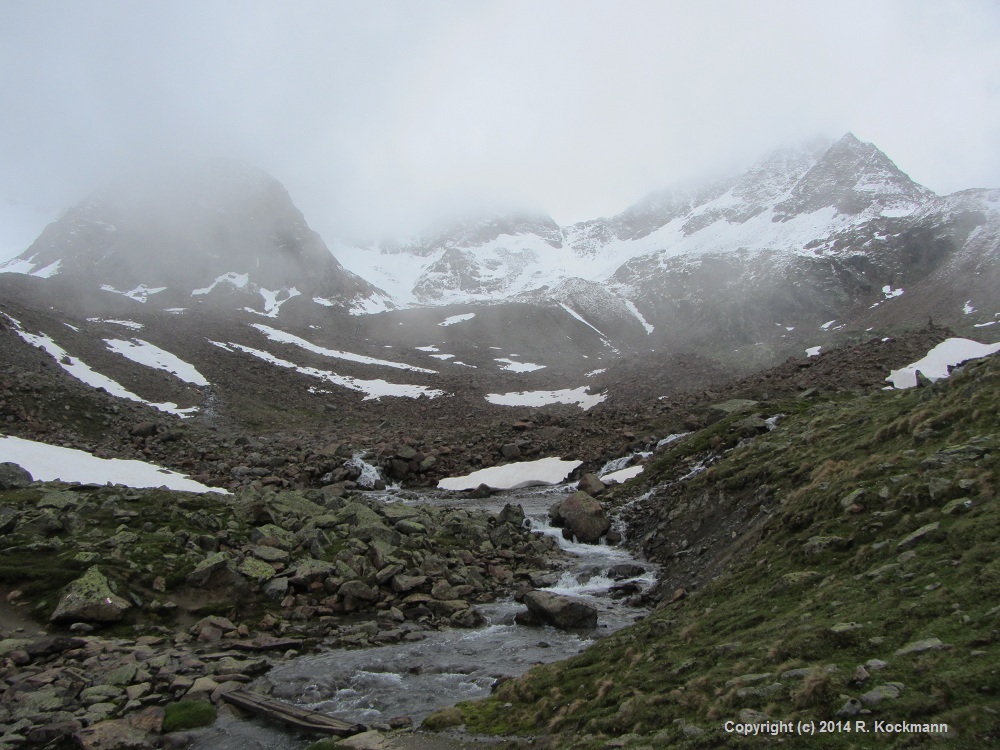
pixel 377 607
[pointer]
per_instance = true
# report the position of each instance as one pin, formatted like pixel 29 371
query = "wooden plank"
pixel 294 716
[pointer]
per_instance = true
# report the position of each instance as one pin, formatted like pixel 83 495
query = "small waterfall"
pixel 369 474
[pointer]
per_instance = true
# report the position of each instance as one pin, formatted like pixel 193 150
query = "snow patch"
pixel 238 280
pixel 125 323
pixel 622 475
pixel 968 309
pixel 47 463
pixel 144 353
pixel 827 324
pixel 544 471
pixel 272 305
pixel 377 303
pixel 140 294
pixel 935 364
pixel 283 337
pixel 84 374
pixel 638 315
pixel 457 319
pixel 50 270
pixel 373 389
pixel 813 351
pixel 578 396
pixel 512 366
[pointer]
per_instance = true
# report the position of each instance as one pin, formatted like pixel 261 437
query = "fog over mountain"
pixel 380 120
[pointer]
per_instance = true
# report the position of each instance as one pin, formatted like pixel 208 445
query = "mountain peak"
pixel 853 176
pixel 186 228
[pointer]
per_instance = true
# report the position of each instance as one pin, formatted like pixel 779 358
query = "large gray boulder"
pixel 583 516
pixel 90 599
pixel 564 612
pixel 13 477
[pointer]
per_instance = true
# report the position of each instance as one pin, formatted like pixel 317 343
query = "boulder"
pixel 591 484
pixel 13 477
pixel 90 599
pixel 513 514
pixel 564 612
pixel 583 515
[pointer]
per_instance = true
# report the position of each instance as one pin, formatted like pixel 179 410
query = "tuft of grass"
pixel 188 714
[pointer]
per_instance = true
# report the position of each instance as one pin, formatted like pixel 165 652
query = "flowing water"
pixel 373 685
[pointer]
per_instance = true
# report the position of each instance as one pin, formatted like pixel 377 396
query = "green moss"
pixel 188 715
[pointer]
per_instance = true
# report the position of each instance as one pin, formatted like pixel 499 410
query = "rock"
pixel 916 647
pixel 276 589
pixel 13 477
pixel 90 599
pixel 271 535
pixel 888 691
pixel 116 734
pixel 256 570
pixel 512 514
pixel 143 430
pixel 204 570
pixel 401 584
pixel 370 740
pixel 481 492
pixel 510 451
pixel 358 590
pixel 564 612
pixel 621 571
pixel 924 532
pixel 591 484
pixel 817 545
pixel 959 505
pixel 851 708
pixel 583 515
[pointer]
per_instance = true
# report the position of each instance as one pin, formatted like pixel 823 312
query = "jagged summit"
pixel 853 176
pixel 220 226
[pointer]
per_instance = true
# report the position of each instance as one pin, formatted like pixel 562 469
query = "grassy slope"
pixel 775 608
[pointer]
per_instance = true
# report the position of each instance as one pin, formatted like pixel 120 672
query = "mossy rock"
pixel 446 718
pixel 185 715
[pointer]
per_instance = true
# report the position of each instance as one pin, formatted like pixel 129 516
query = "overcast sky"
pixel 380 116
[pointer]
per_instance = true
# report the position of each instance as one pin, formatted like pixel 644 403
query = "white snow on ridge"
pixel 144 353
pixel 47 463
pixel 140 294
pixel 283 337
pixel 126 323
pixel 272 305
pixel 935 364
pixel 638 315
pixel 813 351
pixel 84 374
pixel 967 308
pixel 49 271
pixel 545 471
pixel 238 280
pixel 579 317
pixel 457 319
pixel 511 366
pixel 373 389
pixel 377 303
pixel 578 396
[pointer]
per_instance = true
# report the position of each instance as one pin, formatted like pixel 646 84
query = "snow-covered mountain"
pixel 807 235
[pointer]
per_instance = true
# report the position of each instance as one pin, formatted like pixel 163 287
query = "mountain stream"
pixel 373 685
